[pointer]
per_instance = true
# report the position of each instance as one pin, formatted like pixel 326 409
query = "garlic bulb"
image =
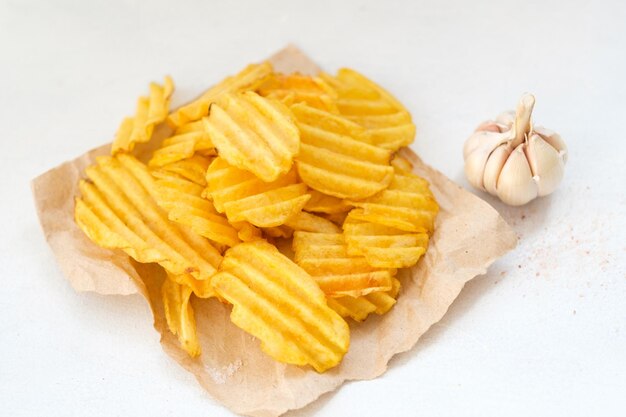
pixel 510 158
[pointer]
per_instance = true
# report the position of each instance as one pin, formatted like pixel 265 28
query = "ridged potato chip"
pixel 182 200
pixel 359 308
pixel 248 79
pixel 194 168
pixel 202 288
pixel 387 122
pixel 407 204
pixel 182 146
pixel 334 159
pixel 305 222
pixel 117 210
pixel 384 246
pixel 298 88
pixel 279 303
pixel 244 197
pixel 323 203
pixel 180 316
pixel 254 133
pixel 151 111
pixel 325 257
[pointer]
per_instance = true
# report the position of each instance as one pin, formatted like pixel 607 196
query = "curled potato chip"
pixel 182 146
pixel 151 111
pixel 279 303
pixel 202 288
pixel 248 79
pixel 407 204
pixel 182 200
pixel 384 246
pixel 298 88
pixel 193 169
pixel 334 160
pixel 117 210
pixel 254 133
pixel 387 122
pixel 323 203
pixel 180 316
pixel 379 302
pixel 325 257
pixel 244 197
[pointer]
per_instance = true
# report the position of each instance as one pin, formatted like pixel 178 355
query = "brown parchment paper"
pixel 469 236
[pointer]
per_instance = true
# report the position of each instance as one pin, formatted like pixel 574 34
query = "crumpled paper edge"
pixel 424 299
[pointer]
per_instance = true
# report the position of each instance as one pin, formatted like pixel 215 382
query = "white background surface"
pixel 543 333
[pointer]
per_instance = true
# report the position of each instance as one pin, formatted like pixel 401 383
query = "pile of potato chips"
pixel 278 194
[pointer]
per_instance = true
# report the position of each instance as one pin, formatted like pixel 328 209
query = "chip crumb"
pixel 220 375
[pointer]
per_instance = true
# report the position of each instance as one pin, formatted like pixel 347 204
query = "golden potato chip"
pixel 407 204
pixel 194 168
pixel 387 122
pixel 249 78
pixel 202 288
pixel 151 111
pixel 183 146
pixel 298 88
pixel 180 316
pixel 384 246
pixel 323 203
pixel 182 200
pixel 247 232
pixel 305 222
pixel 244 197
pixel 117 210
pixel 359 308
pixel 336 218
pixel 401 165
pixel 254 133
pixel 333 158
pixel 279 303
pixel 325 257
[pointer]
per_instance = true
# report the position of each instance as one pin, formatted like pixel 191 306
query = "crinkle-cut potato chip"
pixel 254 133
pixel 323 203
pixel 244 197
pixel 387 122
pixel 401 165
pixel 151 111
pixel 384 246
pixel 279 303
pixel 182 200
pixel 248 79
pixel 117 210
pixel 305 222
pixel 202 288
pixel 359 308
pixel 298 88
pixel 335 160
pixel 247 232
pixel 193 169
pixel 407 204
pixel 336 218
pixel 180 316
pixel 183 146
pixel 325 256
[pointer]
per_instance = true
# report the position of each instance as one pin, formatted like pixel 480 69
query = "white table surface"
pixel 542 333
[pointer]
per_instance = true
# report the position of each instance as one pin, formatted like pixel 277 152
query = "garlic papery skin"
pixel 513 160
